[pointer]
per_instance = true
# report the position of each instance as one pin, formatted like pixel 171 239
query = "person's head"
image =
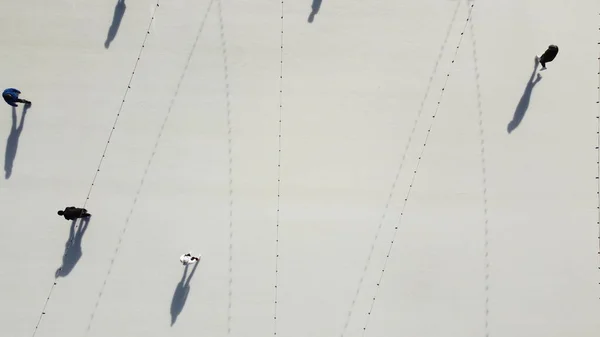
pixel 60 212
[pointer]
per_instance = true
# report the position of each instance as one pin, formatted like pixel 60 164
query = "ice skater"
pixel 72 213
pixel 548 55
pixel 187 259
pixel 11 96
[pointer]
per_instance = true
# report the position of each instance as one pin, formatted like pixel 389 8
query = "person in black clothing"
pixel 548 55
pixel 72 213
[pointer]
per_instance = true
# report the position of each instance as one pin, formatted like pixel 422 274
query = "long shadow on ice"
pixel 73 247
pixel 116 23
pixel 316 5
pixel 181 293
pixel 12 142
pixel 524 101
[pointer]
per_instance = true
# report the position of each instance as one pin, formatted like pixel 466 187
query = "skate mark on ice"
pixel 484 195
pixel 230 156
pixel 277 217
pixel 148 165
pixel 399 170
pixel 104 152
pixel 416 169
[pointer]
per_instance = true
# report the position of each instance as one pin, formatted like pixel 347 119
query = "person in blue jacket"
pixel 11 96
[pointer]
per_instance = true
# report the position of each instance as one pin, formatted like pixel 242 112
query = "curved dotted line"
pixel 276 290
pixel 101 160
pixel 398 171
pixel 389 251
pixel 147 168
pixel 230 154
pixel 486 245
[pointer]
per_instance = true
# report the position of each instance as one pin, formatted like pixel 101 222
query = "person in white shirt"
pixel 187 259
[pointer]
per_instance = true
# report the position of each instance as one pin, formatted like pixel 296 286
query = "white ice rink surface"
pixel 402 205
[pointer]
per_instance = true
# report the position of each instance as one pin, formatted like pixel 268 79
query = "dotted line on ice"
pixel 598 155
pixel 389 251
pixel 101 160
pixel 276 290
pixel 122 104
pixel 398 171
pixel 230 155
pixel 484 194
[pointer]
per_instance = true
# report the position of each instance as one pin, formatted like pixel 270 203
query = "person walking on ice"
pixel 11 96
pixel 187 259
pixel 548 55
pixel 72 213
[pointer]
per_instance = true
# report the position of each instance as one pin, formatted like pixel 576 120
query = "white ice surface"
pixel 389 222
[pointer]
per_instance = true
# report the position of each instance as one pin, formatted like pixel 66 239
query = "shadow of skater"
pixel 524 102
pixel 316 5
pixel 73 247
pixel 12 142
pixel 181 294
pixel 114 27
